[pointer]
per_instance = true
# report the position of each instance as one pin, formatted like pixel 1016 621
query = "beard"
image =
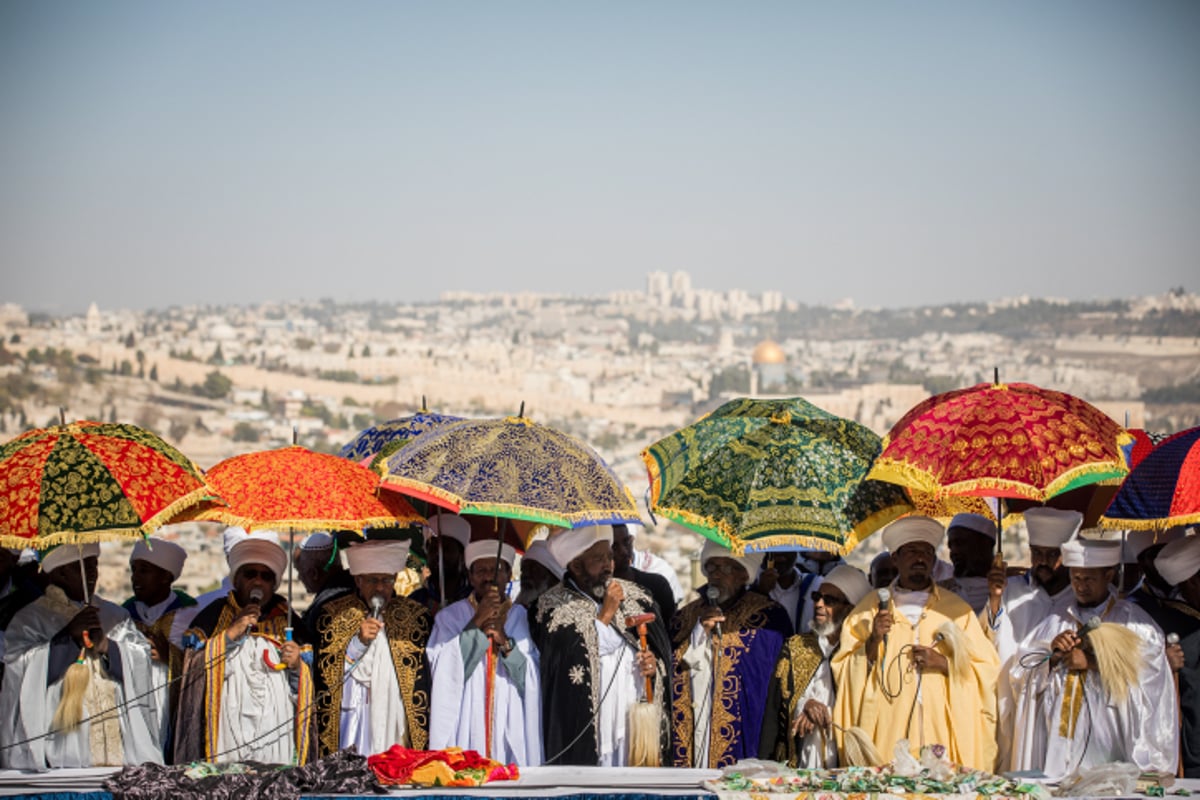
pixel 825 629
pixel 599 590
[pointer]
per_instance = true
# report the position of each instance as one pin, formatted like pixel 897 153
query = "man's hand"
pixel 160 650
pixel 368 629
pixel 613 595
pixel 881 625
pixel 1065 649
pixel 710 616
pixel 927 659
pixel 243 622
pixel 1175 656
pixel 645 663
pixel 997 577
pixel 492 610
pixel 815 715
pixel 290 653
pixel 88 621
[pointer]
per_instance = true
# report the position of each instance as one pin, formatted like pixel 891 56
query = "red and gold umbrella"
pixel 91 481
pixel 1002 440
pixel 296 489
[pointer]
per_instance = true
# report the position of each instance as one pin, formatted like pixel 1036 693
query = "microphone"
pixel 885 597
pixel 1172 638
pixel 711 594
pixel 376 606
pixel 256 596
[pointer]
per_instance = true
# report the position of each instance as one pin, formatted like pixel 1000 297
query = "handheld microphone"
pixel 711 594
pixel 1087 627
pixel 256 596
pixel 376 606
pixel 885 598
pixel 1172 638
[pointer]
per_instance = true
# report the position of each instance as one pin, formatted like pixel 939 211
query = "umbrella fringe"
pixel 306 525
pixel 1159 524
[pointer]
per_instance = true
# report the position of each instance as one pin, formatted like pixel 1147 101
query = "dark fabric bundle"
pixel 338 773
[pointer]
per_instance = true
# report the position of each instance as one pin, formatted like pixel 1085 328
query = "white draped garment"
pixel 372 715
pixel 1143 730
pixel 258 706
pixel 457 717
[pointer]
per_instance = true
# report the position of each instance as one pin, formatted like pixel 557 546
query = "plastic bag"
pixel 1117 779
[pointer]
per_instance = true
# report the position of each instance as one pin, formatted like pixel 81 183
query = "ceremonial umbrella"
pixel 295 489
pixel 1163 490
pixel 90 481
pixel 1002 440
pixel 764 475
pixel 387 437
pixel 512 468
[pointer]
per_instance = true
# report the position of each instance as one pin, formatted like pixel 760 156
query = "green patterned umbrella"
pixel 762 475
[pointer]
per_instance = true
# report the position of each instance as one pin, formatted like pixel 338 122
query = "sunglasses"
pixel 253 573
pixel 827 599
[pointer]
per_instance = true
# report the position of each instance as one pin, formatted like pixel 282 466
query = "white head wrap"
pixel 540 552
pixel 231 537
pixel 913 529
pixel 851 581
pixel 751 561
pixel 1087 553
pixel 1137 541
pixel 450 525
pixel 66 554
pixel 566 546
pixel 28 556
pixel 260 547
pixel 377 557
pixel 1051 527
pixel 974 522
pixel 1179 560
pixel 161 553
pixel 486 548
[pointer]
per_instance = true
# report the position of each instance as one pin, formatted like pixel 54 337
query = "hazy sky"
pixel 157 153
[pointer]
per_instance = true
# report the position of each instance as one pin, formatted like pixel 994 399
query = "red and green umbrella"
pixel 1163 490
pixel 91 481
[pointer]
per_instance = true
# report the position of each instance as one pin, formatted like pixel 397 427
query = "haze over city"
pixel 897 154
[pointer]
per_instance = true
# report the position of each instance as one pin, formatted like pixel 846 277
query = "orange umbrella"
pixel 296 489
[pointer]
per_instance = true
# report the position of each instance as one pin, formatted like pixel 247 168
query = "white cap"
pixel 1086 553
pixel 566 546
pixel 260 547
pixel 540 552
pixel 161 553
pixel 486 548
pixel 850 580
pixel 915 528
pixel 1179 560
pixel 1139 540
pixel 1051 527
pixel 232 536
pixel 450 525
pixel 974 522
pixel 65 554
pixel 751 561
pixel 28 556
pixel 377 557
pixel 321 540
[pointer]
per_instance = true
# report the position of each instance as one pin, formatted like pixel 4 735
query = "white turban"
pixel 260 547
pixel 317 541
pixel 65 554
pixel 1051 527
pixel 231 537
pixel 751 561
pixel 1087 553
pixel 974 522
pixel 450 525
pixel 568 545
pixel 161 553
pixel 912 529
pixel 851 581
pixel 1179 560
pixel 1137 541
pixel 377 557
pixel 28 556
pixel 486 548
pixel 540 552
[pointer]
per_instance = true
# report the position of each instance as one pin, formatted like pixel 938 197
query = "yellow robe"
pixel 955 712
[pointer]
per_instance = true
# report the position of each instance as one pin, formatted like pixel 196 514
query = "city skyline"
pixel 211 153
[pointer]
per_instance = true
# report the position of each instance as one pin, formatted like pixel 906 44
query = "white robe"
pixel 456 718
pixel 1143 730
pixel 258 706
pixel 372 714
pixel 27 704
pixel 621 680
pixel 818 750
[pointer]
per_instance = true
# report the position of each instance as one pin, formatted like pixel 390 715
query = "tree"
pixel 129 340
pixel 366 351
pixel 245 432
pixel 218 356
pixel 154 373
pixel 216 385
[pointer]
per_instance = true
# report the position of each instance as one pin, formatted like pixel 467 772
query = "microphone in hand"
pixel 885 598
pixel 377 606
pixel 711 594
pixel 256 596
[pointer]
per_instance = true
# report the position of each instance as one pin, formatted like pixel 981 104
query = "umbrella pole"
pixel 87 600
pixel 441 600
pixel 287 633
pixel 499 555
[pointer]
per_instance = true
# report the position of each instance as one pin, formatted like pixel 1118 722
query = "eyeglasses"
pixel 723 567
pixel 253 573
pixel 828 599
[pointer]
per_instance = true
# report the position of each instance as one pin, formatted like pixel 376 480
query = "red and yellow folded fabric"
pixel 450 767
